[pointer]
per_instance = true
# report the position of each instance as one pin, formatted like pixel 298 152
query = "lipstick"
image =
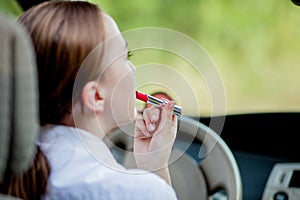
pixel 156 101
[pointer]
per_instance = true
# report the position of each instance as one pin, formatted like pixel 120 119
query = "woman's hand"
pixel 154 137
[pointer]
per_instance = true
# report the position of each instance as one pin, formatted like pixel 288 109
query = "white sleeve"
pixel 120 186
pixel 148 186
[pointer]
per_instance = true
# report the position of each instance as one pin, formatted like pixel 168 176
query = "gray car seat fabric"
pixel 18 97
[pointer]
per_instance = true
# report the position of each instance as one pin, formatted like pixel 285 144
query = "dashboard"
pixel 283 182
pixel 266 149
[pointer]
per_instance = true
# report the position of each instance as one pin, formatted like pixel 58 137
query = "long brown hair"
pixel 63 34
pixel 29 185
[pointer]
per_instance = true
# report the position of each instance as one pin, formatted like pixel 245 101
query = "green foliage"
pixel 10 7
pixel 255 44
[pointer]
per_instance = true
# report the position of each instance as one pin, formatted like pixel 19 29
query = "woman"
pixel 87 89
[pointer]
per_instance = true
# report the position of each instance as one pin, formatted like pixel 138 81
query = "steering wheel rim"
pixel 217 170
pixel 219 165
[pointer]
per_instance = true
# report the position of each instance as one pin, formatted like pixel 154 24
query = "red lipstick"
pixel 156 101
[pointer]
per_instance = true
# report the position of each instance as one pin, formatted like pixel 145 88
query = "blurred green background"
pixel 254 44
pixel 10 7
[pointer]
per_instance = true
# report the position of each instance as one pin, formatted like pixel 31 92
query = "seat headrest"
pixel 18 97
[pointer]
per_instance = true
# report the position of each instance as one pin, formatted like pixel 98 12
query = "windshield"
pixel 254 45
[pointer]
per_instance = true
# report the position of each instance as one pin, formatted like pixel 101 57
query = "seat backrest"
pixel 18 98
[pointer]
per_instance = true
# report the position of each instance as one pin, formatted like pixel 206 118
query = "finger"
pixel 169 107
pixel 149 125
pixel 168 124
pixel 154 114
pixel 174 121
pixel 166 115
pixel 140 129
pixel 173 126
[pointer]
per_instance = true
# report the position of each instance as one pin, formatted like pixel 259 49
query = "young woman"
pixel 87 88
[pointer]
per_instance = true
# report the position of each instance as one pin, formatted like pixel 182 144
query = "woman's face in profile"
pixel 119 77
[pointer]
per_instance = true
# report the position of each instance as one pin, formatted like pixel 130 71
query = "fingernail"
pixel 147 134
pixel 154 117
pixel 150 127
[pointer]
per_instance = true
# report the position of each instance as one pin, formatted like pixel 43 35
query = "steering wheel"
pixel 217 169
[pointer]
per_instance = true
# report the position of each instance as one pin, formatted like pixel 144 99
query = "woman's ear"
pixel 92 97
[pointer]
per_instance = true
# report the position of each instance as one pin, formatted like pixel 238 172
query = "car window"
pixel 254 45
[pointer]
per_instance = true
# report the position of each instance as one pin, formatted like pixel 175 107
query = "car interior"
pixel 255 156
pixel 18 86
pixel 239 167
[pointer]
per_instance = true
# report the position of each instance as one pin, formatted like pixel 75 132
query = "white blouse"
pixel 78 172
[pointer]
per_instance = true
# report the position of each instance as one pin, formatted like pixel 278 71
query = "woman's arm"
pixel 155 134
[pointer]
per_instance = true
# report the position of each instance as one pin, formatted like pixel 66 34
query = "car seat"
pixel 18 99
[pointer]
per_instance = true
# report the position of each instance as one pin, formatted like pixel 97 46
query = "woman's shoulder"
pixel 86 169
